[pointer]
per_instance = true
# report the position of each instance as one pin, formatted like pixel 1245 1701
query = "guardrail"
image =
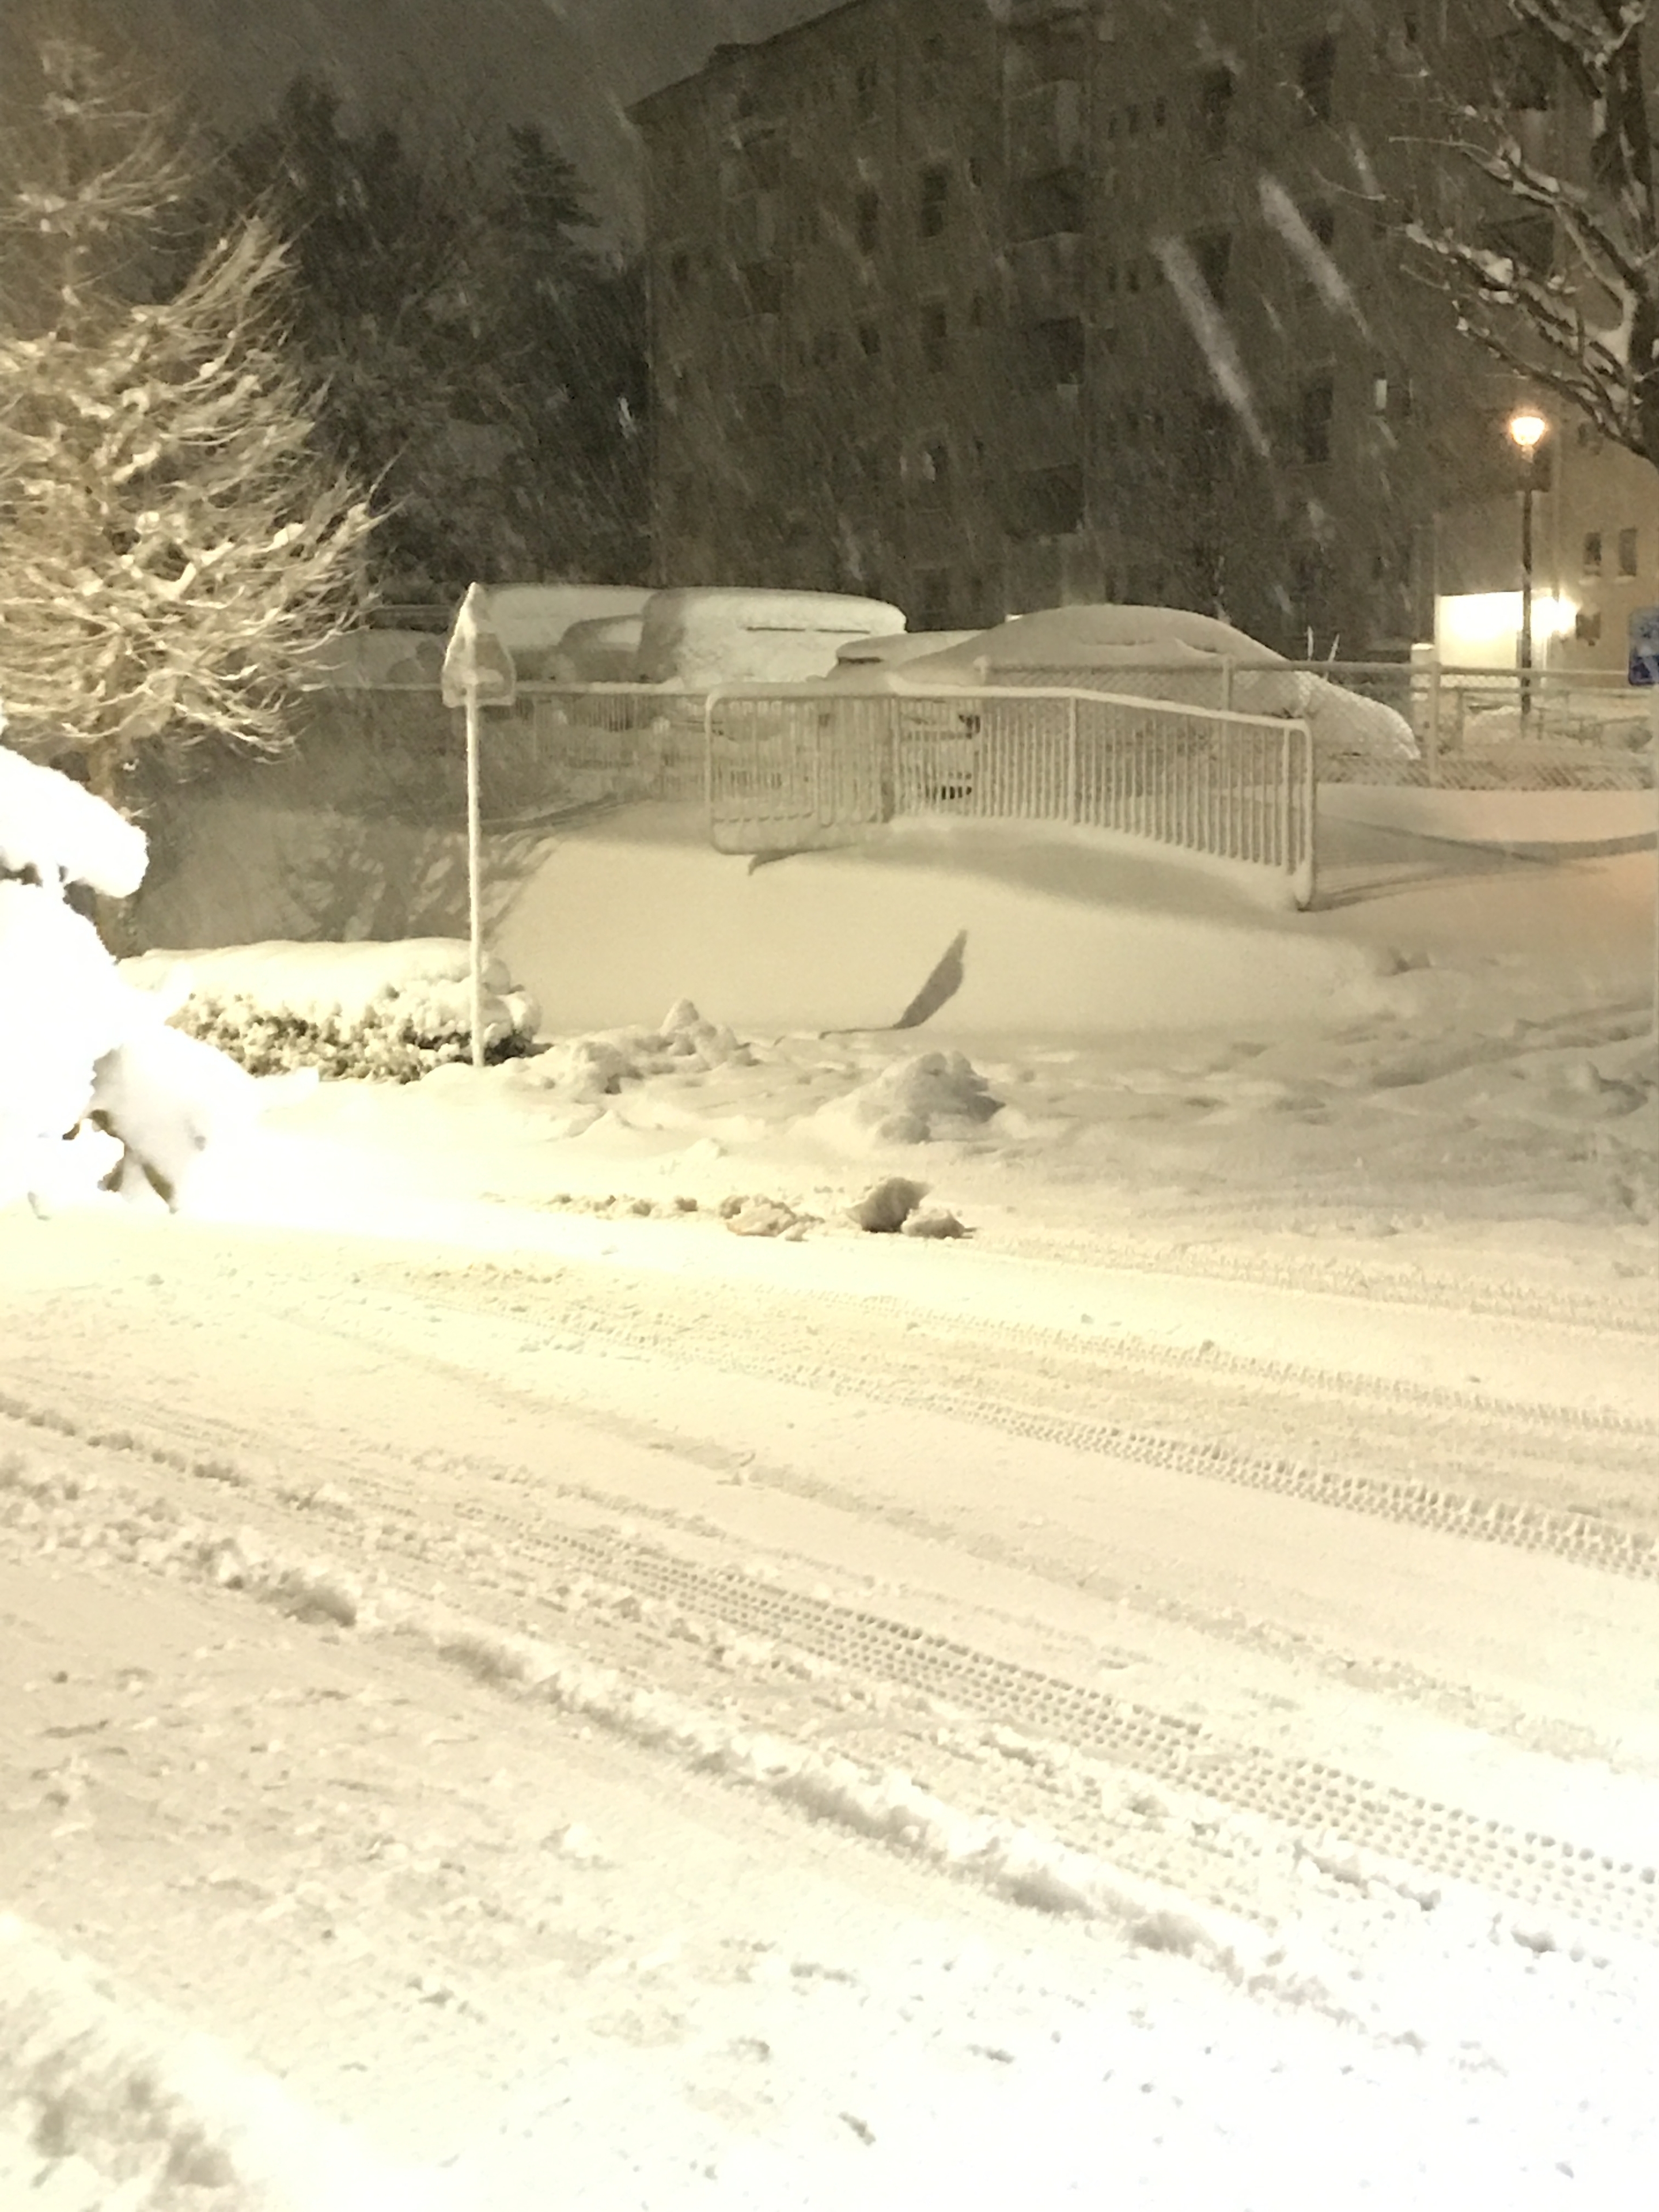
pixel 822 765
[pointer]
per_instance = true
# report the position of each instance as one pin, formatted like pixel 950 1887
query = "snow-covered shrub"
pixel 387 1013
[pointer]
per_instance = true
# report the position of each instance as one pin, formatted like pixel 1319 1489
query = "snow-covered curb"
pixel 112 2105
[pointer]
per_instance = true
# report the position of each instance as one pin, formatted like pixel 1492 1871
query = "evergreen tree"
pixel 483 366
pixel 170 548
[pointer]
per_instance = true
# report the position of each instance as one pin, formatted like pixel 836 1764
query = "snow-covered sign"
pixel 1644 645
pixel 478 667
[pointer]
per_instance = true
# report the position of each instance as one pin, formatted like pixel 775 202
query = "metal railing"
pixel 1471 729
pixel 821 765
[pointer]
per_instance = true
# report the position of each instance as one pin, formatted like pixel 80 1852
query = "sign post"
pixel 1644 672
pixel 478 670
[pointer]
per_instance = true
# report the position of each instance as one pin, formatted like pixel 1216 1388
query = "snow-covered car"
pixel 703 639
pixel 1166 653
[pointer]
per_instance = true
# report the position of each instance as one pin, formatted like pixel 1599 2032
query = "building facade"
pixel 987 305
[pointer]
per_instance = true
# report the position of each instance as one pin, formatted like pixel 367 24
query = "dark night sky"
pixel 573 65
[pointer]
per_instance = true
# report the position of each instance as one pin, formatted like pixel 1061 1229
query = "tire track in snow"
pixel 1332 1812
pixel 1583 1538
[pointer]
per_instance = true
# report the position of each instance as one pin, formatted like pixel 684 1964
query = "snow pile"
pixel 932 1098
pixel 1163 652
pixel 384 1013
pixel 701 639
pixel 120 2105
pixel 54 829
pixel 597 1065
pixel 80 1045
pixel 62 1008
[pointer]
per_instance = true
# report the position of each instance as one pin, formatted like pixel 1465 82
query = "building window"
pixel 1215 107
pixel 1048 504
pixel 935 200
pixel 1213 253
pixel 867 91
pixel 935 336
pixel 1629 564
pixel 1045 206
pixel 763 285
pixel 1160 113
pixel 1315 78
pixel 866 219
pixel 1592 552
pixel 766 164
pixel 978 312
pixel 1323 223
pixel 870 340
pixel 1317 406
pixel 976 171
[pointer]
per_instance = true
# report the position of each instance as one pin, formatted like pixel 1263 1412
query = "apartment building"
pixel 984 305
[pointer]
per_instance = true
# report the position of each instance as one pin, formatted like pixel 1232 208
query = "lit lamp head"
pixel 1528 429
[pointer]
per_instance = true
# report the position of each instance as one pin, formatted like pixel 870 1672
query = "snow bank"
pixel 122 2106
pixel 704 638
pixel 1164 653
pixel 386 1011
pixel 52 826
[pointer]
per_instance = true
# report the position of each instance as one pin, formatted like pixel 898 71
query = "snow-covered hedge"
pixel 379 1012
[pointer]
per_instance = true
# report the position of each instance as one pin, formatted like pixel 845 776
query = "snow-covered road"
pixel 632 1714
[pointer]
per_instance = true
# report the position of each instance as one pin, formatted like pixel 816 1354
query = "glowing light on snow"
pixel 1481 628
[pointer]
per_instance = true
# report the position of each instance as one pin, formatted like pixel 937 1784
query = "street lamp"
pixel 1528 429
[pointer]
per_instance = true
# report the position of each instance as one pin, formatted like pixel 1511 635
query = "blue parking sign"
pixel 1644 645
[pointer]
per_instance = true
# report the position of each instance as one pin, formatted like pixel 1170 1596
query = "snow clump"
pixel 54 830
pixel 933 1098
pixel 597 1065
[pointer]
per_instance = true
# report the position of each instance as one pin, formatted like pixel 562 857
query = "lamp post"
pixel 1528 429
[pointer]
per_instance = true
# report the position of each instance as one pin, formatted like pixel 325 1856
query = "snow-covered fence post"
pixel 1073 792
pixel 477 667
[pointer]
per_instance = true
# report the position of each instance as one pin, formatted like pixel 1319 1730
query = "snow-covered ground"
pixel 516 1694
